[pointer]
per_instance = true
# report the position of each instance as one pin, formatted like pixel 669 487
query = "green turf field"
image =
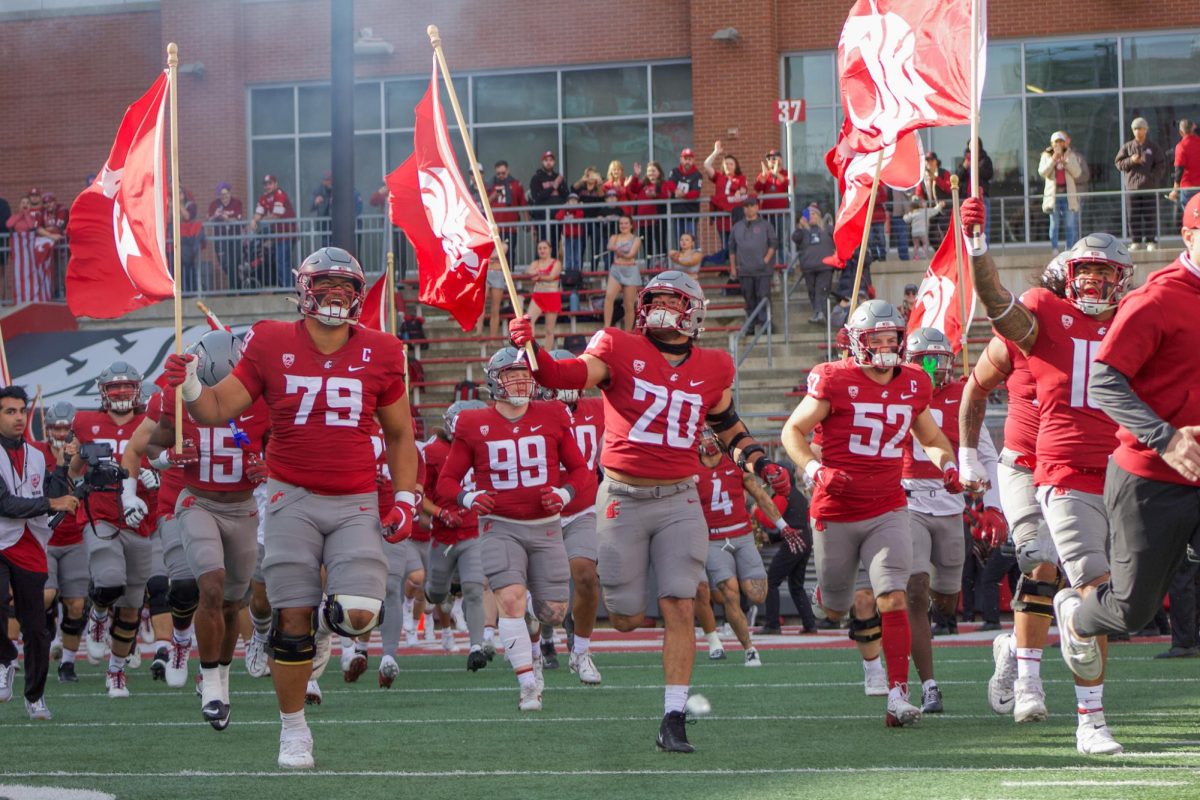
pixel 798 727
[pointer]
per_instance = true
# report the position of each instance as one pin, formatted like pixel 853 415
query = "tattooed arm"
pixel 1008 316
pixel 990 371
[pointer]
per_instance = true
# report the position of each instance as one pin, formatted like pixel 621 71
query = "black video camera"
pixel 103 474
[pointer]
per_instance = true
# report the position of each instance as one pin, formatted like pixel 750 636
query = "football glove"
pixel 397 525
pixel 180 372
pixel 450 517
pixel 832 480
pixel 555 499
pixel 135 509
pixel 256 468
pixel 520 331
pixel 148 478
pixel 480 502
pixel 777 476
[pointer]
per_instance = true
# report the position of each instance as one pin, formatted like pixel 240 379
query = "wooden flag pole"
pixel 435 39
pixel 976 233
pixel 960 259
pixel 4 373
pixel 862 249
pixel 41 414
pixel 173 71
pixel 391 292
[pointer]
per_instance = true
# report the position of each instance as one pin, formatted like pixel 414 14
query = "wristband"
pixel 192 388
pixel 811 469
pixel 403 496
pixel 781 525
pixel 972 467
pixel 976 244
pixel 162 461
pixel 949 465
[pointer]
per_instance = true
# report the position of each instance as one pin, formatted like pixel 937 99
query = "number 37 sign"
pixel 789 111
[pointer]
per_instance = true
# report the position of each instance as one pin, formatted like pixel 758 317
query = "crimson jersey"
pixel 68 531
pixel 170 481
pixel 723 497
pixel 1075 438
pixel 587 422
pixel 322 406
pixel 1021 425
pixel 943 407
pixel 652 410
pixel 98 426
pixel 864 436
pixel 383 474
pixel 221 467
pixel 515 459
pixel 436 452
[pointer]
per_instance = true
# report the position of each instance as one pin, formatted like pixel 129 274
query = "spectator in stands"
pixel 321 208
pixel 687 258
pixel 624 276
pixel 986 173
pixel 54 215
pixel 685 183
pixel 496 288
pixel 877 236
pixel 590 188
pixel 920 218
pixel 910 300
pixel 653 194
pixel 225 216
pixel 23 219
pixel 572 232
pixel 814 243
pixel 191 232
pixel 933 189
pixel 788 566
pixel 1187 164
pixel 547 187
pixel 752 248
pixel 626 187
pixel 773 180
pixel 271 211
pixel 1063 170
pixel 898 205
pixel 505 192
pixel 545 272
pixel 730 190
pixel 1142 163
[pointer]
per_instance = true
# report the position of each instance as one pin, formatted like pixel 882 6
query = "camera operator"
pixel 25 525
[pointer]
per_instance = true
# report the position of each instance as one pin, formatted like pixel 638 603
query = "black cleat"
pixel 549 657
pixel 66 673
pixel 672 734
pixel 158 668
pixel 216 714
pixel 477 660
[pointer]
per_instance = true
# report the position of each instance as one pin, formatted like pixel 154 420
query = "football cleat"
pixel 38 710
pixel 489 649
pixel 388 670
pixel 448 644
pixel 931 700
pixel 146 627
pixel 199 685
pixel 672 734
pixel 324 647
pixel 538 674
pixel 216 714
pixel 875 683
pixel 257 663
pixel 94 636
pixel 1000 687
pixel 347 655
pixel 312 694
pixel 1094 737
pixel 549 655
pixel 752 659
pixel 158 667
pixel 115 683
pixel 476 659
pixel 583 666
pixel 1082 654
pixel 134 659
pixel 1029 703
pixel 66 672
pixel 531 698
pixel 8 673
pixel 716 652
pixel 295 750
pixel 357 666
pixel 900 712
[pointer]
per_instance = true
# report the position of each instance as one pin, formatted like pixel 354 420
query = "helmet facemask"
pixel 516 384
pixel 877 354
pixel 332 300
pixel 665 308
pixel 936 364
pixel 709 447
pixel 1093 294
pixel 120 396
pixel 568 396
pixel 58 432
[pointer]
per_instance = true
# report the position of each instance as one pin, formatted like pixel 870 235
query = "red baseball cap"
pixel 269 178
pixel 35 191
pixel 1191 213
pixel 547 154
pixel 687 151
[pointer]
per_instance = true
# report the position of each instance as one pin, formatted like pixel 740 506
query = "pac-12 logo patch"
pixel 483 429
pixel 1067 321
pixel 638 366
pixel 288 359
pixel 853 392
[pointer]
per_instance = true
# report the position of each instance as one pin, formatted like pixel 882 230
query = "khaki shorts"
pixel 526 554
pixel 639 527
pixel 1078 522
pixel 939 547
pixel 882 544
pixel 305 531
pixel 579 535
pixel 1018 501
pixel 466 557
pixel 217 536
pixel 173 556
pixel 735 557
pixel 68 570
pixel 119 558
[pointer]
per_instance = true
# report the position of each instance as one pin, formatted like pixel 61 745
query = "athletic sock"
pixel 160 644
pixel 1029 662
pixel 897 644
pixel 713 640
pixel 674 697
pixel 182 638
pixel 116 663
pixel 210 671
pixel 360 647
pixel 581 645
pixel 262 625
pixel 68 656
pixel 1012 646
pixel 517 647
pixel 1089 704
pixel 873 665
pixel 293 722
pixel 489 633
pixel 223 671
pixel 100 615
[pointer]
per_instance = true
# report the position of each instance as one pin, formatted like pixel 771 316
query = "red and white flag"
pixel 938 294
pixel 31 256
pixel 117 228
pixel 431 203
pixel 906 64
pixel 375 311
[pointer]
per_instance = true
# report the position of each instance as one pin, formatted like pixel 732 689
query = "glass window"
pixel 1161 60
pixel 401 97
pixel 507 98
pixel 1066 66
pixel 1162 111
pixel 315 155
pixel 366 107
pixel 272 111
pixel 275 157
pixel 595 144
pixel 1090 122
pixel 521 146
pixel 368 164
pixel 810 77
pixel 670 137
pixel 1000 134
pixel 1003 74
pixel 604 92
pixel 315 112
pixel 399 148
pixel 811 139
pixel 671 86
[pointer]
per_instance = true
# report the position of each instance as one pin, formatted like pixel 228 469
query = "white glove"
pixel 971 469
pixel 148 478
pixel 161 461
pixel 135 508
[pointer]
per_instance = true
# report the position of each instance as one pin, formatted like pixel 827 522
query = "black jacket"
pixel 553 196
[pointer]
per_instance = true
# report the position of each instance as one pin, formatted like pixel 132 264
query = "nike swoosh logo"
pixel 364 508
pixel 694 383
pixel 534 428
pixel 907 396
pixel 354 369
pixel 245 417
pixel 587 419
pixel 949 401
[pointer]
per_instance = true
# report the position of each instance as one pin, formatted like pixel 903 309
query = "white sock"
pixel 1089 701
pixel 517 648
pixel 100 615
pixel 68 656
pixel 293 722
pixel 161 643
pixel 674 697
pixel 1012 646
pixel 262 625
pixel 713 639
pixel 116 663
pixel 260 636
pixel 347 644
pixel 448 634
pixel 360 646
pixel 929 684
pixel 212 684
pixel 489 633
pixel 223 671
pixel 1029 662
pixel 874 665
pixel 582 645
pixel 184 638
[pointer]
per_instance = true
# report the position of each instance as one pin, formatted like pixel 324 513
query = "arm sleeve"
pixel 1112 392
pixel 568 373
pixel 989 458
pixel 15 507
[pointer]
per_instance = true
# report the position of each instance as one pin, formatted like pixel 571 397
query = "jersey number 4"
pixel 343 398
pixel 870 417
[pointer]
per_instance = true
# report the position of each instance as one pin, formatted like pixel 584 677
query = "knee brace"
pixel 72 627
pixel 182 598
pixel 434 598
pixel 472 593
pixel 336 613
pixel 1034 597
pixel 289 649
pixel 124 630
pixel 157 589
pixel 866 630
pixel 104 596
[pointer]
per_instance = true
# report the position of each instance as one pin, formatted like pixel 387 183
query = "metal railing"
pixel 762 328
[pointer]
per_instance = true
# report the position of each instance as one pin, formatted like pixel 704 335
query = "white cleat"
pixel 312 694
pixel 448 644
pixel 531 698
pixel 38 710
pixel 900 712
pixel 1029 704
pixel 875 683
pixel 94 637
pixel 410 638
pixel 134 659
pixel 1094 737
pixel 177 665
pixel 583 666
pixel 752 659
pixel 257 664
pixel 716 652
pixel 388 670
pixel 1081 653
pixel 296 750
pixel 538 673
pixel 8 673
pixel 115 682
pixel 323 647
pixel 1001 695
pixel 347 657
pixel 146 627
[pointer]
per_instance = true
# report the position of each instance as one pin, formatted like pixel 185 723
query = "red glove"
pixel 256 468
pixel 555 499
pixel 791 537
pixel 397 525
pixel 481 503
pixel 175 369
pixel 993 527
pixel 188 455
pixel 520 331
pixel 971 214
pixel 449 517
pixel 951 482
pixel 777 476
pixel 834 481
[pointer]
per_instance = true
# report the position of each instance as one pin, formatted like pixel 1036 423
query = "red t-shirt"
pixel 1075 438
pixel 321 405
pixel 773 184
pixel 278 204
pixel 652 191
pixel 943 407
pixel 436 453
pixel 98 426
pixel 27 553
pixel 515 459
pixel 1187 155
pixel 653 410
pixel 1021 424
pixel 221 467
pixel 506 194
pixel 1152 343
pixel 725 197
pixel 864 436
pixel 723 498
pixel 587 421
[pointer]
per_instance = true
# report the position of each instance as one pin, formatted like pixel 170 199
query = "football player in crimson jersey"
pixel 119 548
pixel 1016 684
pixel 516 449
pixel 939 548
pixel 658 387
pixel 216 516
pixel 324 380
pixel 1060 337
pixel 866 407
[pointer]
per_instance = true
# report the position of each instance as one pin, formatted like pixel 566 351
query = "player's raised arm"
pixel 582 372
pixel 208 406
pixel 1008 316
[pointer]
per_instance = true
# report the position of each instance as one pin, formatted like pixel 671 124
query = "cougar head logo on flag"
pixel 447 215
pixel 935 295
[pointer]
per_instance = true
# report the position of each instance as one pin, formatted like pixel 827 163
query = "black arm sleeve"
pixel 1111 391
pixel 1178 174
pixel 15 507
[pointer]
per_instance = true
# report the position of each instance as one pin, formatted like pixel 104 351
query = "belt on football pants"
pixel 1015 460
pixel 629 490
